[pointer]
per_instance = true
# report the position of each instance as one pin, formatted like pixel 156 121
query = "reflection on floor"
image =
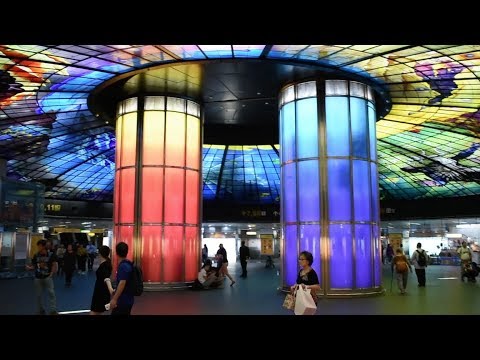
pixel 258 295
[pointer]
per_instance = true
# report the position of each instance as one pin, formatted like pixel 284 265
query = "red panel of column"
pixel 172 254
pixel 192 253
pixel 152 195
pixel 152 253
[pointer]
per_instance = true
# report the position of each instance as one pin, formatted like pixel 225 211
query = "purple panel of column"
pixel 308 191
pixel 310 241
pixel 289 192
pixel 377 256
pixel 374 187
pixel 363 256
pixel 291 255
pixel 361 190
pixel 339 207
pixel 341 261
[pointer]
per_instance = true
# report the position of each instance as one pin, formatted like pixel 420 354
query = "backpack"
pixel 135 283
pixel 401 266
pixel 421 258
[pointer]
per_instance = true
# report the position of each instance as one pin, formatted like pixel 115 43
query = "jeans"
pixel 40 286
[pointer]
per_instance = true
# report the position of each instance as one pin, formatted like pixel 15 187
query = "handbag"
pixel 304 304
pixel 289 302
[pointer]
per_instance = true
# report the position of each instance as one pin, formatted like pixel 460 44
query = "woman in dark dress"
pixel 103 289
pixel 307 277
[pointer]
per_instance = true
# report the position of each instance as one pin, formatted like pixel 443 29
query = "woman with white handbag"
pixel 307 279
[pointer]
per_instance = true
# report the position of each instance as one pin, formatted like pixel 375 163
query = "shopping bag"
pixel 304 304
pixel 289 302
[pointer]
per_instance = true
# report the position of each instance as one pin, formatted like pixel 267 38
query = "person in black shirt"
pixel 307 277
pixel 45 264
pixel 244 256
pixel 103 286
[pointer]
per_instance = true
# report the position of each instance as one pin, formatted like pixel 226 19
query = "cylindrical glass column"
pixel 157 186
pixel 329 202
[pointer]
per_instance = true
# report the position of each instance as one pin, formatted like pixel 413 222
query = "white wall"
pixel 228 243
pixel 430 244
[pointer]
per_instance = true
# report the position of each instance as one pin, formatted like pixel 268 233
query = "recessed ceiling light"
pixel 259 93
pixel 266 102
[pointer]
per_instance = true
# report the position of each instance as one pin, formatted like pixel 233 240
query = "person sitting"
pixel 208 278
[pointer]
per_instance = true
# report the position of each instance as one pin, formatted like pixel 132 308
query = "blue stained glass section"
pixel 374 197
pixel 341 261
pixel 372 121
pixel 338 136
pixel 339 203
pixel 308 190
pixel 307 128
pixel 310 241
pixel 363 256
pixel 291 254
pixel 361 190
pixel 288 132
pixel 290 192
pixel 377 255
pixel 358 116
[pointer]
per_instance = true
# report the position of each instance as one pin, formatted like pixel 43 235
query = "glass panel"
pixel 338 136
pixel 377 256
pixel 291 255
pixel 174 195
pixel 129 140
pixel 341 264
pixel 193 108
pixel 358 116
pixel 307 128
pixel 372 120
pixel 339 203
pixel 357 89
pixel 308 191
pixel 288 132
pixel 193 142
pixel 374 188
pixel 307 89
pixel 363 256
pixel 191 197
pixel 151 253
pixel 361 191
pixel 290 192
pixel 130 105
pixel 289 94
pixel 127 194
pixel 336 87
pixel 175 139
pixel 153 137
pixel 172 253
pixel 176 104
pixel 310 241
pixel 192 253
pixel 126 235
pixel 152 195
pixel 155 103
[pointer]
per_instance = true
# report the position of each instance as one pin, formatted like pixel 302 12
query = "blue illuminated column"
pixel 329 202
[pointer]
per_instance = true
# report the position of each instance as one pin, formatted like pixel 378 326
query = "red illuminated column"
pixel 157 186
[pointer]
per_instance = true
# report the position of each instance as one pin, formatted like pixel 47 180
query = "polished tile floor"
pixel 445 294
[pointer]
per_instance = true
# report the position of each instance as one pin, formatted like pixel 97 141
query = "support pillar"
pixel 330 197
pixel 157 195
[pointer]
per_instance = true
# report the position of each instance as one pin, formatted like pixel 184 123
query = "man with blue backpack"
pixel 123 298
pixel 419 259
